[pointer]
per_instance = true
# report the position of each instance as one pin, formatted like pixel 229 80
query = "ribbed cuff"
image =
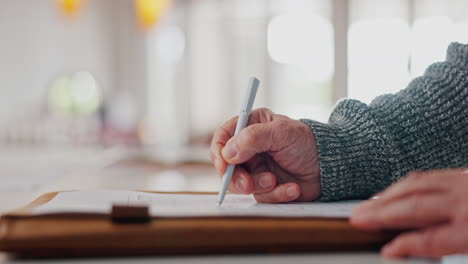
pixel 353 160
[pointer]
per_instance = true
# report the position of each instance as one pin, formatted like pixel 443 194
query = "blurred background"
pixel 87 84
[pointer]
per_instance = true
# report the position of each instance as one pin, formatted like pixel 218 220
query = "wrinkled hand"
pixel 279 158
pixel 433 205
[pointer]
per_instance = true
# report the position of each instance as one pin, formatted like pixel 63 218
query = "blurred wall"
pixel 38 43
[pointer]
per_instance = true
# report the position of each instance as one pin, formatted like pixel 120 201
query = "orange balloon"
pixel 150 11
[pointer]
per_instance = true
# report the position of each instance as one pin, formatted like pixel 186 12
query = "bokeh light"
pixel 70 7
pixel 84 92
pixel 150 11
pixel 431 36
pixel 169 44
pixel 75 94
pixel 304 41
pixel 59 95
pixel 378 57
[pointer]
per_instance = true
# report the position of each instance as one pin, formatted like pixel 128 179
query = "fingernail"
pixel 240 184
pixel 388 251
pixel 360 208
pixel 365 219
pixel 291 191
pixel 363 207
pixel 361 216
pixel 265 181
pixel 230 151
pixel 362 211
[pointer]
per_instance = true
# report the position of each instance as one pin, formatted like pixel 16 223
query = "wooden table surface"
pixel 142 174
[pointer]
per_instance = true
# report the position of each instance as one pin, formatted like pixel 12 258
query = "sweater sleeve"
pixel 364 148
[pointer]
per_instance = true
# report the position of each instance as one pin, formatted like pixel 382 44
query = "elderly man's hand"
pixel 278 155
pixel 432 205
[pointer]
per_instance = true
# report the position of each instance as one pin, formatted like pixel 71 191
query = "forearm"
pixel 364 148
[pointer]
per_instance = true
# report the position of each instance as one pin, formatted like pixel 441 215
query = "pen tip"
pixel 219 203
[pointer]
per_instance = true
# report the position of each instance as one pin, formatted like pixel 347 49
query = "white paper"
pixel 187 205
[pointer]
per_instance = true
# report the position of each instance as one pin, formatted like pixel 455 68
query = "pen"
pixel 241 123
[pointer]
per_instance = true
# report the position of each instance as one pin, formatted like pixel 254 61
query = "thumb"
pixel 255 139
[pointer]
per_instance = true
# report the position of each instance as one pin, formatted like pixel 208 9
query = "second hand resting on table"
pixel 435 209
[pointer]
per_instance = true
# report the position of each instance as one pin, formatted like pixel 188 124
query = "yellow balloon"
pixel 150 11
pixel 70 7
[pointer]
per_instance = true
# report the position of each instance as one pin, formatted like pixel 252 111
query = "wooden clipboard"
pixel 91 235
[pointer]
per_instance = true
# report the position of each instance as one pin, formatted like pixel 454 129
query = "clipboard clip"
pixel 130 214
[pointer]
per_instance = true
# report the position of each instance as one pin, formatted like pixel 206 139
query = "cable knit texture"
pixel 364 148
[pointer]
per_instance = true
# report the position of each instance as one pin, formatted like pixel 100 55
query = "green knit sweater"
pixel 365 148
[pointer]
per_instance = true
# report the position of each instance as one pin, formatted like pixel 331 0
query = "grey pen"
pixel 241 123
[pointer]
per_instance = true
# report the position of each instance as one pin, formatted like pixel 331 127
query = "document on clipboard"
pixel 189 205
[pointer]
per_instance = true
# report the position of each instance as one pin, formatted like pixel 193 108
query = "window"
pixel 436 24
pixel 201 57
pixel 300 49
pixel 392 42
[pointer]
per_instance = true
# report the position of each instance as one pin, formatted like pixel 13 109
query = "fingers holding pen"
pixel 241 181
pixel 225 146
pixel 254 139
pixel 220 137
pixel 263 182
pixel 245 183
pixel 282 193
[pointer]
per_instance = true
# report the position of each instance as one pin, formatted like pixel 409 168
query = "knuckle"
pixel 260 198
pixel 215 151
pixel 218 140
pixel 218 131
pixel 429 241
pixel 266 115
pixel 294 128
pixel 233 119
pixel 221 132
pixel 417 205
pixel 250 136
pixel 212 156
pixel 459 211
pixel 404 241
pixel 283 124
pixel 287 132
pixel 264 110
pixel 281 196
pixel 414 176
pixel 213 147
pixel 399 242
